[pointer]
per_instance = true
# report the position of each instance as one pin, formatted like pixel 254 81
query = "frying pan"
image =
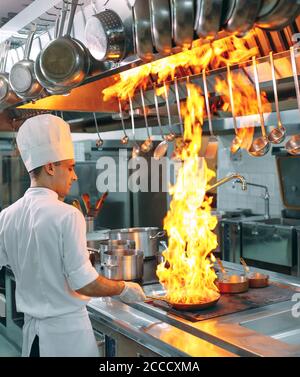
pixel 208 17
pixel 22 77
pixel 186 307
pixel 280 15
pixel 183 16
pixel 7 95
pixel 233 284
pixel 243 16
pixel 65 61
pixel 258 280
pixel 142 30
pixel 161 27
pixel 105 35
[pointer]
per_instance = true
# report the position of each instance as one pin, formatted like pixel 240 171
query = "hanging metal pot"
pixel 65 61
pixel 22 76
pixel 105 35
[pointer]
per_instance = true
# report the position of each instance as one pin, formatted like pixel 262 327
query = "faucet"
pixel 266 197
pixel 237 177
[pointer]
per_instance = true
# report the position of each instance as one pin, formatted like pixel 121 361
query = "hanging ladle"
pixel 162 147
pixel 136 148
pixel 260 145
pixel 178 104
pixel 212 146
pixel 171 136
pixel 277 135
pixel 293 144
pixel 125 138
pixel 236 142
pixel 148 143
pixel 99 142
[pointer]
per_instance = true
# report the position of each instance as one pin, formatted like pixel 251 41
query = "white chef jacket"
pixel 43 240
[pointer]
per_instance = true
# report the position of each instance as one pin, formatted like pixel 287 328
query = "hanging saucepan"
pixel 7 95
pixel 186 307
pixel 22 77
pixel 48 85
pixel 183 16
pixel 142 30
pixel 208 17
pixel 279 14
pixel 161 27
pixel 105 35
pixel 65 61
pixel 242 16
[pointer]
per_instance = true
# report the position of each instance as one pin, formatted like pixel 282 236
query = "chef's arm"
pixel 102 287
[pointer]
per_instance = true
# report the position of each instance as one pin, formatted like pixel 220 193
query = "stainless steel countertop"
pixel 169 335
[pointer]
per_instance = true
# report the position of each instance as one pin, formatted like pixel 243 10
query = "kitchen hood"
pixel 82 101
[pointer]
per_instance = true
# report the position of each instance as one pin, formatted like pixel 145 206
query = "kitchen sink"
pixel 282 326
pixel 279 221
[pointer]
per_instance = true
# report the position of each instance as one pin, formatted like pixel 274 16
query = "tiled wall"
pixel 260 170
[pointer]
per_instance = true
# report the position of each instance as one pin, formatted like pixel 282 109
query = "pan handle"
pixel 158 235
pixel 109 265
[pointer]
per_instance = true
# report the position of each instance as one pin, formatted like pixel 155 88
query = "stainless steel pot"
pixel 146 239
pixel 122 265
pixel 116 245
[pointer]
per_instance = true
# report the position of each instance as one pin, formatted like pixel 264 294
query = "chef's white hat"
pixel 43 139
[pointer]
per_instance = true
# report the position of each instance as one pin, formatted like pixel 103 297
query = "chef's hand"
pixel 132 293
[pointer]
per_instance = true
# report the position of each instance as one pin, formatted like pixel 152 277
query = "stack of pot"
pixel 118 260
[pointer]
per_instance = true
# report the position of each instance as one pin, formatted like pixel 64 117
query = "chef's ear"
pixel 50 168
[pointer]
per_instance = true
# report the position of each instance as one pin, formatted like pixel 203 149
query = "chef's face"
pixel 64 177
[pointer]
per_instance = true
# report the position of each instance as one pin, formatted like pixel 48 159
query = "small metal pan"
pixel 186 307
pixel 258 280
pixel 208 17
pixel 243 16
pixel 161 25
pixel 233 284
pixel 142 30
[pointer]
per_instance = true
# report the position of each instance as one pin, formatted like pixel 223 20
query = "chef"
pixel 43 240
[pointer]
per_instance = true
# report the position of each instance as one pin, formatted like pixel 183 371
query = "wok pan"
pixel 185 307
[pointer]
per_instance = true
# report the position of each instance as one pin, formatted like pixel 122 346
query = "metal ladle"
pixel 136 148
pixel 260 145
pixel 178 104
pixel 125 138
pixel 99 142
pixel 293 144
pixel 171 136
pixel 148 143
pixel 212 146
pixel 277 135
pixel 162 147
pixel 236 142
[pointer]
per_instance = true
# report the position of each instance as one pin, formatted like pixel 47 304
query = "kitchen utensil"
pixel 90 223
pixel 122 265
pixel 136 148
pixel 185 307
pixel 86 199
pixel 178 104
pixel 22 77
pixel 161 28
pixel 100 141
pixel 7 95
pixel 76 204
pixel 277 135
pixel 105 35
pixel 224 272
pixel 125 138
pixel 208 17
pixel 278 14
pixel 212 147
pixel 148 143
pixel 100 203
pixel 115 245
pixel 66 61
pixel 183 18
pixel 171 136
pixel 163 146
pixel 293 144
pixel 233 284
pixel 243 16
pixel 258 280
pixel 236 142
pixel 260 145
pixel 245 267
pixel 86 209
pixel 146 239
pixel 142 30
